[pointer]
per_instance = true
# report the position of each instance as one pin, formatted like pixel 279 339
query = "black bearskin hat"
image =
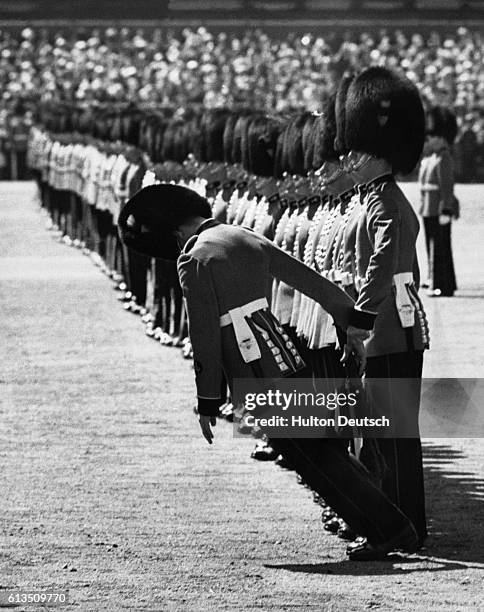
pixel 340 145
pixel 308 142
pixel 147 221
pixel 280 162
pixel 293 144
pixel 441 122
pixel 240 130
pixel 262 140
pixel 228 137
pixel 385 118
pixel 213 125
pixel 325 134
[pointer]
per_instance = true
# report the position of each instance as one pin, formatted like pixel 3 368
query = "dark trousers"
pixel 135 272
pixel 167 303
pixel 439 256
pixel 338 477
pixel 75 223
pixel 345 484
pixel 402 479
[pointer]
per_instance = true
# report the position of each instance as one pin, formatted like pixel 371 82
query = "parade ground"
pixel 109 492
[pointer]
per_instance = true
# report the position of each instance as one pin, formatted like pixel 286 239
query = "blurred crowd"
pixel 186 69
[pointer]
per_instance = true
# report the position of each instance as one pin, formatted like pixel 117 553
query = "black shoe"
pixel 125 296
pixel 283 463
pixel 333 525
pixel 406 541
pixel 357 542
pixel 300 480
pixel 264 453
pixel 346 533
pixel 327 515
pixel 317 499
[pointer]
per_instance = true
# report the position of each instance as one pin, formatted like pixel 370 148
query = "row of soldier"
pixel 259 171
pixel 251 165
pixel 293 179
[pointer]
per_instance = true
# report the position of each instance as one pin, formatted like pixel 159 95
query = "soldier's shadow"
pixel 394 565
pixel 456 513
pixel 455 506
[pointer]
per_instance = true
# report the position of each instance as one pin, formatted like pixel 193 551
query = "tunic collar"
pixel 207 224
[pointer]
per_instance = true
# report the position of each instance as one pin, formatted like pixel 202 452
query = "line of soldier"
pixel 310 182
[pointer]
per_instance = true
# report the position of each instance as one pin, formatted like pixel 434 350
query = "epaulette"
pixel 379 183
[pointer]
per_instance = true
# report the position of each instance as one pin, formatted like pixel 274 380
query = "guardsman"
pixel 385 133
pixel 226 274
pixel 439 206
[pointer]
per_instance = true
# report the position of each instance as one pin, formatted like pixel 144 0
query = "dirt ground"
pixel 109 492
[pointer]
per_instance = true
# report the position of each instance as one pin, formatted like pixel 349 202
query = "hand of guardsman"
pixel 206 422
pixel 355 345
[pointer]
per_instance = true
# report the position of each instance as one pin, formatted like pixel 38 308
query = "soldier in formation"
pixel 319 188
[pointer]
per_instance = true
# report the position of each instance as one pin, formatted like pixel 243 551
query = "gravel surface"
pixel 109 492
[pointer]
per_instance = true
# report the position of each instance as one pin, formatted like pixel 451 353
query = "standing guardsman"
pixel 226 274
pixel 385 130
pixel 439 206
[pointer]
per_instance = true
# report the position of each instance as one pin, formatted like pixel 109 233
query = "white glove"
pixel 444 219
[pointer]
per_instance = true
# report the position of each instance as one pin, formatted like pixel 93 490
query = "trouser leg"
pixel 104 222
pixel 403 480
pixel 156 308
pixel 430 226
pixel 178 307
pixel 138 271
pixel 78 224
pixel 447 282
pixel 340 479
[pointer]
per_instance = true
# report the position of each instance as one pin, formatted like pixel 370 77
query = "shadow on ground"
pixel 455 505
pixel 456 514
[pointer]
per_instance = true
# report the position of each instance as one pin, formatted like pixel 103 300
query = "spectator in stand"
pixel 197 67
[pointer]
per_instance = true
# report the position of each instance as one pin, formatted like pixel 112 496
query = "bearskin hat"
pixel 325 134
pixel 385 118
pixel 159 132
pixel 441 121
pixel 130 122
pixel 147 221
pixel 173 147
pixel 86 122
pixel 294 144
pixel 340 145
pixel 279 162
pixel 244 141
pixel 262 140
pixel 228 137
pixel 240 131
pixel 308 142
pixel 212 133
